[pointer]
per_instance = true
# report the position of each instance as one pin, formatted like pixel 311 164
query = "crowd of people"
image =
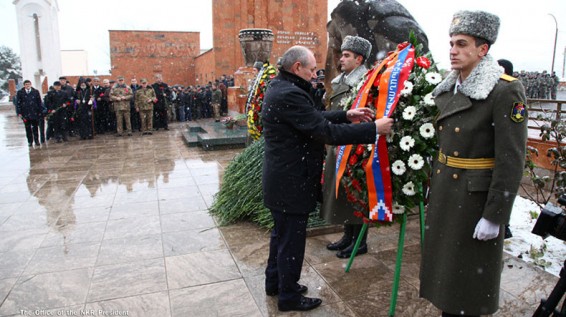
pixel 95 106
pixel 539 85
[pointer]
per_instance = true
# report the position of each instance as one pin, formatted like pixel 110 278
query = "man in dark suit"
pixel 295 133
pixel 30 109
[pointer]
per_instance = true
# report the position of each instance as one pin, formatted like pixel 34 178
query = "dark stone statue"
pixel 385 23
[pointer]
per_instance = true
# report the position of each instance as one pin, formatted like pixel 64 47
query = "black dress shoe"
pixel 302 289
pixel 305 303
pixel 346 253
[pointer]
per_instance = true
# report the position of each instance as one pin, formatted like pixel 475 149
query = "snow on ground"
pixel 523 242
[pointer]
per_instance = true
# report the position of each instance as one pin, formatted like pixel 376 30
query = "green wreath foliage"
pixel 240 197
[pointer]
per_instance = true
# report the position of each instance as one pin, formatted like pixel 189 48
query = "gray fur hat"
pixel 357 45
pixel 475 23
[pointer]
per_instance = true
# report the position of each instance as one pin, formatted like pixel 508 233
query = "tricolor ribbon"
pixel 398 66
pixel 378 173
pixel 343 151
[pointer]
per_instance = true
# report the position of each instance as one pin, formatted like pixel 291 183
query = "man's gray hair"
pixel 295 54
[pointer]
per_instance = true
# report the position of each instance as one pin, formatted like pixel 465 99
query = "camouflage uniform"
pixel 216 102
pixel 144 102
pixel 121 95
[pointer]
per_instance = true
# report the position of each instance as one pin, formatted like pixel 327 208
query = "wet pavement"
pixel 119 226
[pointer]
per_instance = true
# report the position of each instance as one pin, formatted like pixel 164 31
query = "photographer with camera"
pixel 552 221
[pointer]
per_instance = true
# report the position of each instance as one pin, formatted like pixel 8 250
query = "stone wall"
pixel 293 22
pixel 147 53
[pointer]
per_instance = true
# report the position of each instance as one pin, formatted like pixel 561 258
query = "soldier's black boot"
pixel 362 249
pixel 345 241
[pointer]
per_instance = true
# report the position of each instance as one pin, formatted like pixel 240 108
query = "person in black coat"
pixel 135 118
pixel 30 109
pixel 295 133
pixel 163 94
pixel 83 103
pixel 56 102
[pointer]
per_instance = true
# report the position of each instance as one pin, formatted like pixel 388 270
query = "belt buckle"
pixel 442 158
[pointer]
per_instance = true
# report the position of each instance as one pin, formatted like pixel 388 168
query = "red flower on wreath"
pixel 353 159
pixel 423 62
pixel 358 214
pixel 401 46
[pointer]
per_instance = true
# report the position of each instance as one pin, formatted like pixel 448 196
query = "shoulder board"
pixel 507 77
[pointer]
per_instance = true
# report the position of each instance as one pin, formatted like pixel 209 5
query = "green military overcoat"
pixel 486 118
pixel 339 211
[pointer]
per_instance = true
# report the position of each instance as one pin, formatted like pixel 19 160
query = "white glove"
pixel 486 230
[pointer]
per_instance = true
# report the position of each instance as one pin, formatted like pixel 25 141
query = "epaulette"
pixel 507 77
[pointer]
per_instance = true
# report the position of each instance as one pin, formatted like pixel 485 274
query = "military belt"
pixel 466 163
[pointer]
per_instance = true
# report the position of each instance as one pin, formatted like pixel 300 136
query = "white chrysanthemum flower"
pixel 407 89
pixel 407 142
pixel 409 113
pixel 398 209
pixel 427 130
pixel 433 78
pixel 429 99
pixel 409 189
pixel 415 162
pixel 398 167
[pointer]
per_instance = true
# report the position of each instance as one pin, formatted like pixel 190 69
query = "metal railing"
pixel 548 109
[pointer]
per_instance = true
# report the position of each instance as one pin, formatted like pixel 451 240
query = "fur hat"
pixel 357 45
pixel 475 23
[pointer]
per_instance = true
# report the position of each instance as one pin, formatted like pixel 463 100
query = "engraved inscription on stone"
pixel 308 39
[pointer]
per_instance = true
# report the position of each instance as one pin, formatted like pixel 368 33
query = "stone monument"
pixel 38 30
pixel 256 46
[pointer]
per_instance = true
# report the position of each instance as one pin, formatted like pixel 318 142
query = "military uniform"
pixel 145 107
pixel 122 106
pixel 216 103
pixel 338 210
pixel 482 134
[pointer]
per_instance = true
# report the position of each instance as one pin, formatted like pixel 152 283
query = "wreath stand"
pixel 400 245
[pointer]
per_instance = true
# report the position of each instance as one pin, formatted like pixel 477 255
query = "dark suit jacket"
pixel 295 134
pixel 29 106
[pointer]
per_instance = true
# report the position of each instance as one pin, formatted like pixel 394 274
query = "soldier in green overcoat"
pixel 338 210
pixel 482 133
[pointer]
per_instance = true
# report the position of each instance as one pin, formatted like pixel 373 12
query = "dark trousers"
pixel 135 119
pixel 32 131
pixel 160 119
pixel 59 120
pixel 286 254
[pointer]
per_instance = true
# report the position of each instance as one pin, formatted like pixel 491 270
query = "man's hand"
pixel 360 115
pixel 486 230
pixel 384 125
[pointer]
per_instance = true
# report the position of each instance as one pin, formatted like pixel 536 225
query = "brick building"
pixel 292 22
pixel 176 55
pixel 146 53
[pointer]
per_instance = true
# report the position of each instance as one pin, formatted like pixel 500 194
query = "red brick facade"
pixel 176 56
pixel 204 68
pixel 292 22
pixel 147 53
